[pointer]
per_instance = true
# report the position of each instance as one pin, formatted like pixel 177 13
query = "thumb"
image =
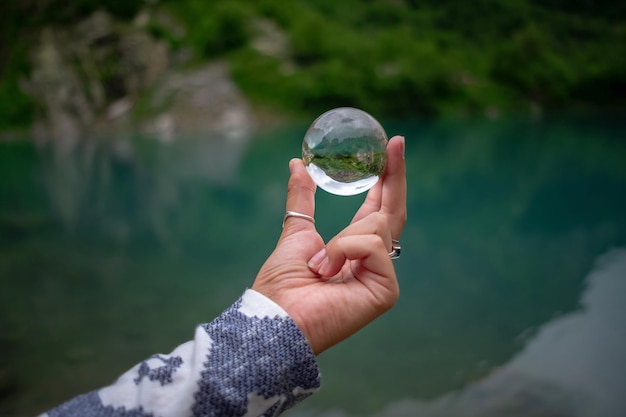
pixel 300 197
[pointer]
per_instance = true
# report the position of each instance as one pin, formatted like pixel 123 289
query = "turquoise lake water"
pixel 513 267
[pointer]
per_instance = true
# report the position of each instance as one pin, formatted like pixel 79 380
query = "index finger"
pixel 394 187
pixel 389 195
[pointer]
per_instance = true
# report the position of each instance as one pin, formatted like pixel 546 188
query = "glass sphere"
pixel 345 151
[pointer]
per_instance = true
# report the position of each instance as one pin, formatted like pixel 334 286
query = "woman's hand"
pixel 333 290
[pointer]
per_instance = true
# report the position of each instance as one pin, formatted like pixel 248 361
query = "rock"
pixel 88 77
pixel 56 86
pixel 201 102
pixel 269 39
pixel 143 60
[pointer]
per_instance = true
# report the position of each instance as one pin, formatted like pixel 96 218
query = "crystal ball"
pixel 345 151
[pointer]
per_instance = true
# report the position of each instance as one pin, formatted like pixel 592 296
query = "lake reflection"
pixel 511 286
pixel 574 366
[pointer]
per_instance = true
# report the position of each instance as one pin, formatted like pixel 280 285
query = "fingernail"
pixel 316 261
pixel 323 267
pixel 403 146
pixel 291 162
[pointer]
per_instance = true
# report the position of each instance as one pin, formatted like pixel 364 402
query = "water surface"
pixel 512 270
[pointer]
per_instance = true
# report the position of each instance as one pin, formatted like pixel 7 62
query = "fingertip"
pixel 324 268
pixel 395 154
pixel 293 164
pixel 316 260
pixel 397 146
pixel 299 173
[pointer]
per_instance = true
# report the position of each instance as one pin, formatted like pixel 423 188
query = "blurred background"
pixel 143 167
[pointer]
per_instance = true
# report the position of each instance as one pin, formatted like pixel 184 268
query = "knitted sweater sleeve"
pixel 250 361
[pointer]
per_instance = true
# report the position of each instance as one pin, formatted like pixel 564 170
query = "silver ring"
pixel 299 215
pixel 395 249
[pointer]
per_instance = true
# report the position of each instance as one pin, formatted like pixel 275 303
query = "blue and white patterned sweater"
pixel 250 361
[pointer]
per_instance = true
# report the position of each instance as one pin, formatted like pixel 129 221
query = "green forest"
pixel 395 58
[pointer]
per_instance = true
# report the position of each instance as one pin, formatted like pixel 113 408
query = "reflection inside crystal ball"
pixel 345 151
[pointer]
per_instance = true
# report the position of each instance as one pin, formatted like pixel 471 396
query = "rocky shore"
pixel 103 76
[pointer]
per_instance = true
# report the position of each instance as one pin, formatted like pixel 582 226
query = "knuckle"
pixel 403 217
pixel 377 243
pixel 381 220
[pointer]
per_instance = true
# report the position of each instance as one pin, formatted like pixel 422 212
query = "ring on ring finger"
pixel 395 249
